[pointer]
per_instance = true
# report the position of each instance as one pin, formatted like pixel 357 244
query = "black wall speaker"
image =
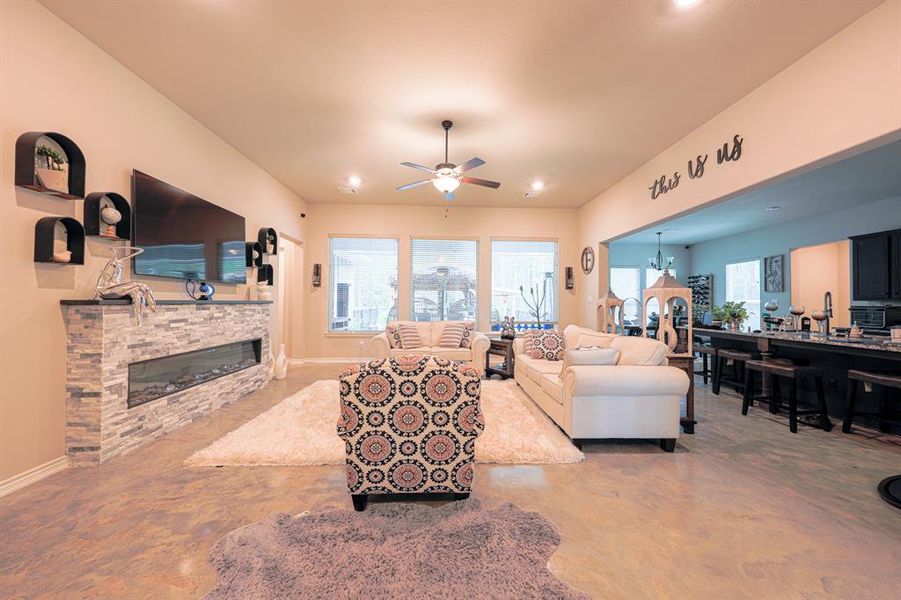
pixel 317 274
pixel 569 278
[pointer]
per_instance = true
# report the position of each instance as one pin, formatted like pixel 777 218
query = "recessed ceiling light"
pixel 683 4
pixel 771 208
pixel 537 185
pixel 354 181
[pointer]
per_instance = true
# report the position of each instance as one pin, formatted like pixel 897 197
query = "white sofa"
pixel 639 397
pixel 430 333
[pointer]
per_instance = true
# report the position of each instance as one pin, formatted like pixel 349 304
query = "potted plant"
pixel 50 170
pixel 731 313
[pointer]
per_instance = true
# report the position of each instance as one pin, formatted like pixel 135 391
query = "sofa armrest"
pixel 380 346
pixel 480 343
pixel 519 345
pixel 612 380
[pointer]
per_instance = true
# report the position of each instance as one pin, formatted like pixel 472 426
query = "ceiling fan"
pixel 447 177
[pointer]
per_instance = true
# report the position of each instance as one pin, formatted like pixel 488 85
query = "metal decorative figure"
pixel 110 284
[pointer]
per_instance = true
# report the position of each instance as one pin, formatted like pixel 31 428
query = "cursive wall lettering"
pixel 696 166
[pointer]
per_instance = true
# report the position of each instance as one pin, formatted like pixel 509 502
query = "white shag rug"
pixel 300 430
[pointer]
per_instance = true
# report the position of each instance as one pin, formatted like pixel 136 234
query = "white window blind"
pixel 743 285
pixel 625 282
pixel 527 264
pixel 444 279
pixel 362 283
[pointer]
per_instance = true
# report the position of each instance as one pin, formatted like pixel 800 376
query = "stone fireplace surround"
pixel 104 338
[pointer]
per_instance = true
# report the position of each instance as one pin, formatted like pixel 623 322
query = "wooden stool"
pixel 738 358
pixel 708 365
pixel 776 369
pixel 886 381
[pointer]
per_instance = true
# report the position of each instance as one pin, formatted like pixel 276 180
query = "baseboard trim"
pixel 33 475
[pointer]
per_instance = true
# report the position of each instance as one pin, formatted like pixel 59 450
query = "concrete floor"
pixel 742 509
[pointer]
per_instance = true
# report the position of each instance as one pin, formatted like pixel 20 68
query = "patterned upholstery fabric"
pixel 393 336
pixel 544 345
pixel 409 337
pixel 410 425
pixel 452 335
pixel 469 327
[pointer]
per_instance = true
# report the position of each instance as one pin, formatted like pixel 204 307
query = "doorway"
pixel 287 319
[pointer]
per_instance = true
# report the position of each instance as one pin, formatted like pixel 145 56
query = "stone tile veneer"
pixel 104 339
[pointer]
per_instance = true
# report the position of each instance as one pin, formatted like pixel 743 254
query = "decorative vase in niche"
pixel 281 363
pixel 263 292
pixel 110 217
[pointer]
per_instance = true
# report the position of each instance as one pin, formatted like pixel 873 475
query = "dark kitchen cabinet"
pixel 876 264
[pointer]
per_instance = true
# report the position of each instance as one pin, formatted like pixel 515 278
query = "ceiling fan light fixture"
pixel 446 183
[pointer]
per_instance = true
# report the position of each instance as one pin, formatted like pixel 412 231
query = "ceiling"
pixel 577 94
pixel 861 179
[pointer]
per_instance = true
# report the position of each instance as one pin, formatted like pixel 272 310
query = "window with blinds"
pixel 362 283
pixel 531 265
pixel 743 285
pixel 444 279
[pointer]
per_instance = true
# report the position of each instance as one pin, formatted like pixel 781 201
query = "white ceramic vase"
pixel 281 363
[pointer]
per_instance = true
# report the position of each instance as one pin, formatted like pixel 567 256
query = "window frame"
pixel 759 262
pixel 641 287
pixel 363 333
pixel 557 269
pixel 446 238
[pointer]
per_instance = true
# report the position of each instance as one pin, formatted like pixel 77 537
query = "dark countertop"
pixel 803 339
pixel 125 301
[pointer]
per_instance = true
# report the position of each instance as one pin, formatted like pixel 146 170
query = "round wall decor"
pixel 587 260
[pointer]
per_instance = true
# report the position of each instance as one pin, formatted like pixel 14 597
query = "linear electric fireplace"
pixel 158 377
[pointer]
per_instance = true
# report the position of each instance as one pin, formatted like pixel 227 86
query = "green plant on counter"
pixel 731 312
pixel 54 159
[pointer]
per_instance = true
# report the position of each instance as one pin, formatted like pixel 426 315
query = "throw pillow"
pixel 588 355
pixel 452 335
pixel 409 336
pixel 393 336
pixel 468 328
pixel 546 345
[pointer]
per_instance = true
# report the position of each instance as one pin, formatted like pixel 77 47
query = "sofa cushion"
pixel 451 335
pixel 639 351
pixel 589 355
pixel 451 353
pixel 536 368
pixel 553 386
pixel 601 340
pixel 544 344
pixel 410 338
pixel 572 332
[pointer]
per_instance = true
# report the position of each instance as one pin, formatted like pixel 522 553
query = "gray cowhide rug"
pixel 393 550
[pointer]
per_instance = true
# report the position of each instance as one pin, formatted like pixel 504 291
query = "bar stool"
pixel 708 365
pixel 737 380
pixel 796 373
pixel 886 381
pixel 774 398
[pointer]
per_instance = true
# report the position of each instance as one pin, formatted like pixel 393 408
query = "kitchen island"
pixel 834 355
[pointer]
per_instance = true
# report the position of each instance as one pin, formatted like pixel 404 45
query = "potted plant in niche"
pixel 732 314
pixel 50 169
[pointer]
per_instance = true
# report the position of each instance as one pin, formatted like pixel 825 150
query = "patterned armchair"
pixel 410 423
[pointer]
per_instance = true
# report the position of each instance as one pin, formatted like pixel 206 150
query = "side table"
pixel 500 347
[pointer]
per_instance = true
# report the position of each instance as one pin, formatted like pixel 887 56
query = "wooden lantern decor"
pixel 610 313
pixel 667 291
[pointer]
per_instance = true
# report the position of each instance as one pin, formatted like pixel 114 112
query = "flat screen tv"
pixel 184 236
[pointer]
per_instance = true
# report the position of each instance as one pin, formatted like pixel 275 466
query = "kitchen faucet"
pixel 827 309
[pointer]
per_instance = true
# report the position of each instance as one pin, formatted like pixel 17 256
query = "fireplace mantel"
pixel 104 338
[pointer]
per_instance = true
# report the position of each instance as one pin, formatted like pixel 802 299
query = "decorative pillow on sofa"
pixel 452 335
pixel 409 336
pixel 468 328
pixel 544 345
pixel 393 334
pixel 589 355
pixel 598 341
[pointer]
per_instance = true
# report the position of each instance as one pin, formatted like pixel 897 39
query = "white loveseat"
pixel 639 397
pixel 430 333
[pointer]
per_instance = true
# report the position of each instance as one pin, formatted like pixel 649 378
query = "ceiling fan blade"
pixel 419 167
pixel 449 196
pixel 414 184
pixel 472 163
pixel 481 182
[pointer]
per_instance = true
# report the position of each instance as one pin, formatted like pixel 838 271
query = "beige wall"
pixel 405 222
pixel 842 95
pixel 821 268
pixel 52 79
